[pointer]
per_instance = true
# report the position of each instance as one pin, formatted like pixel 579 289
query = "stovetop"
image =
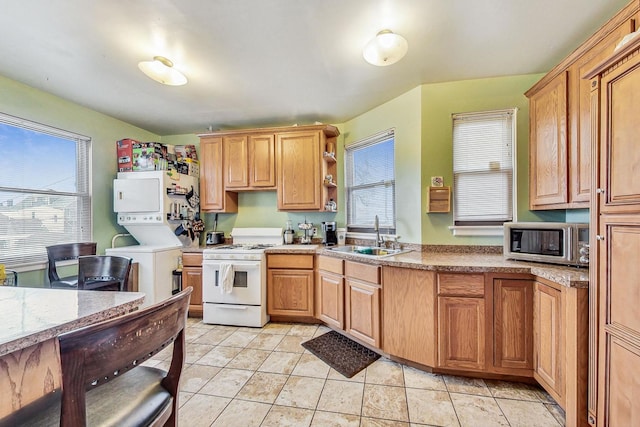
pixel 248 247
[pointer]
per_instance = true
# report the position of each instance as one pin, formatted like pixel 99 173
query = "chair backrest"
pixel 103 272
pixel 67 251
pixel 96 354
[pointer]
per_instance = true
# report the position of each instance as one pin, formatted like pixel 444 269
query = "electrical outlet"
pixel 315 231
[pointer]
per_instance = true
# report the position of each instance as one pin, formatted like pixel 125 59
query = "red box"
pixel 124 152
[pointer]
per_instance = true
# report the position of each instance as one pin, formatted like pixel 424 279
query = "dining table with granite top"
pixel 31 319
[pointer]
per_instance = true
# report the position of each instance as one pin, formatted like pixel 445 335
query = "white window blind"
pixel 370 183
pixel 483 152
pixel 45 194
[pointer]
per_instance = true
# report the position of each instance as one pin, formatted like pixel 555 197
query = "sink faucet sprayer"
pixel 376 227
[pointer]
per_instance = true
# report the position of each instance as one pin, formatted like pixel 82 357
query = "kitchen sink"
pixel 368 251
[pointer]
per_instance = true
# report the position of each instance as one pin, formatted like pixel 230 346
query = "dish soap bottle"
pixel 288 234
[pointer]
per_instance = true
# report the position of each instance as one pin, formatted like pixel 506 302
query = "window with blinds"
pixel 370 183
pixel 45 196
pixel 483 153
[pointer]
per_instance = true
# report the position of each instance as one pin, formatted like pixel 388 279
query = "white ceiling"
pixel 275 62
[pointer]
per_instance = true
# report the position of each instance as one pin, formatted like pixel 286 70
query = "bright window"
pixel 370 183
pixel 45 196
pixel 483 153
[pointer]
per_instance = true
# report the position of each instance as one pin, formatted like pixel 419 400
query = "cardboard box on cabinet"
pixel 124 153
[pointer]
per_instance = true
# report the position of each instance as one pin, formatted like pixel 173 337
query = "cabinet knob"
pixel 599 237
pixel 600 190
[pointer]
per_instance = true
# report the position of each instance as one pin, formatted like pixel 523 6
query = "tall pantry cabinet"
pixel 614 371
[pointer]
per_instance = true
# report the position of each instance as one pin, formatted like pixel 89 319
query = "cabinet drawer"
pixel 365 272
pixel 192 259
pixel 334 265
pixel 290 261
pixel 469 285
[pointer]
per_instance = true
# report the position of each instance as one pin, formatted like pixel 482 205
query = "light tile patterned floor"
pixel 264 377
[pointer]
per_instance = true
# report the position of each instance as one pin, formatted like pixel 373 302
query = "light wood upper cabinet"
pixel 580 113
pixel 560 124
pixel 250 162
pixel 299 168
pixel 548 167
pixel 236 159
pixel 213 197
pixel 262 161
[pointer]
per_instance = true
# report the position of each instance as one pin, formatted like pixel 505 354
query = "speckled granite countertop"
pixel 32 315
pixel 474 263
pixel 454 259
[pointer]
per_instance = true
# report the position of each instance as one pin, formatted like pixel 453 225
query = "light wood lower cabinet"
pixel 330 291
pixel 409 313
pixel 512 323
pixel 290 287
pixel 548 340
pixel 462 321
pixel 192 276
pixel 362 302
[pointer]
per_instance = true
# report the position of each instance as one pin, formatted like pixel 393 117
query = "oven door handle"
pixel 232 307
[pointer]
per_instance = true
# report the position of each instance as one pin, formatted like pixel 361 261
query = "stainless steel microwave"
pixel 551 242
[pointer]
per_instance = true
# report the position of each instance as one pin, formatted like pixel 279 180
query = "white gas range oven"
pixel 234 278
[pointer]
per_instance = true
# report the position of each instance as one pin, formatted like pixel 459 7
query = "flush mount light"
pixel 161 70
pixel 385 48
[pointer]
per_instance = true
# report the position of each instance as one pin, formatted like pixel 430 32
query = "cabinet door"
pixel 213 198
pixel 290 292
pixel 461 333
pixel 548 349
pixel 192 276
pixel 620 127
pixel 548 145
pixel 330 298
pixel 236 160
pixel 409 313
pixel 513 323
pixel 580 114
pixel 299 181
pixel 262 164
pixel 362 311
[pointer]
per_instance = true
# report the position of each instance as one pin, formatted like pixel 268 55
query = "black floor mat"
pixel 342 354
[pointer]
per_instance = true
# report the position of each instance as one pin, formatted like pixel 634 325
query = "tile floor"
pixel 263 377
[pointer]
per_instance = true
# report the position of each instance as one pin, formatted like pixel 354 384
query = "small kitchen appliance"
pixel 550 242
pixel 288 234
pixel 215 237
pixel 330 233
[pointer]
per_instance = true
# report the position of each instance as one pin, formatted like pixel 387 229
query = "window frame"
pixel 83 193
pixel 378 138
pixel 485 228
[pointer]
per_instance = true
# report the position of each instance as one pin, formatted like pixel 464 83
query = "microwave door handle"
pixel 567 244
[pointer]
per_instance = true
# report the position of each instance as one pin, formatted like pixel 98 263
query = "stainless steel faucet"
pixel 376 227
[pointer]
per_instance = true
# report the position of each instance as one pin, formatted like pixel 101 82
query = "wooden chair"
pixel 65 252
pixel 103 382
pixel 103 272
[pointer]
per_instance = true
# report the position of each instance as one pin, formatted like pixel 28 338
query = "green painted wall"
pixel 22 101
pixel 404 115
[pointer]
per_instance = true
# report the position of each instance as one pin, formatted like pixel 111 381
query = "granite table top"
pixel 29 316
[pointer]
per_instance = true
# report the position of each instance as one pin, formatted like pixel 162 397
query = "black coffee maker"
pixel 330 236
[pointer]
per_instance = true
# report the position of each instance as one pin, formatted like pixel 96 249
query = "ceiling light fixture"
pixel 385 48
pixel 161 70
